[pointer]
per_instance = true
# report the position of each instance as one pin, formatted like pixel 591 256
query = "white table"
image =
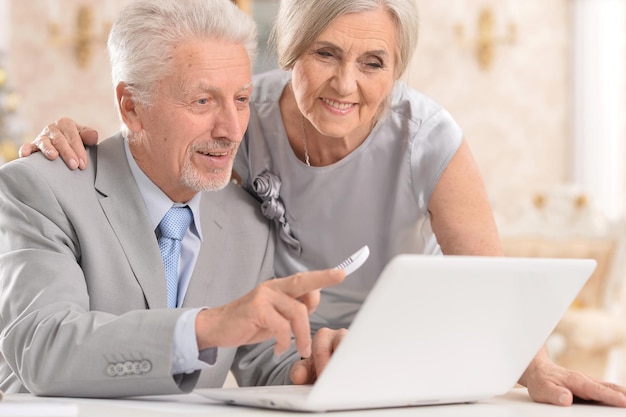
pixel 516 403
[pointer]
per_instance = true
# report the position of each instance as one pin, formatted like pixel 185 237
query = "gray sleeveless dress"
pixel 378 195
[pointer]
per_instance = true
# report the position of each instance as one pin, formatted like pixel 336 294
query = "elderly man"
pixel 89 265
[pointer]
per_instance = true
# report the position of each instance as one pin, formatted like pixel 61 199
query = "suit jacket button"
pixel 119 369
pixel 111 370
pixel 136 367
pixel 146 366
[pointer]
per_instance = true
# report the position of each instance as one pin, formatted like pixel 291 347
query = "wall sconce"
pixel 84 35
pixel 245 5
pixel 486 40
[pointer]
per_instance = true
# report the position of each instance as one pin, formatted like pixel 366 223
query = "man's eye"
pixel 203 101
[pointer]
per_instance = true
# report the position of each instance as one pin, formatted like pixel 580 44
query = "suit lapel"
pixel 211 257
pixel 126 212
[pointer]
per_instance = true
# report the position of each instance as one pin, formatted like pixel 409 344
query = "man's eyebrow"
pixel 246 86
pixel 207 87
pixel 213 88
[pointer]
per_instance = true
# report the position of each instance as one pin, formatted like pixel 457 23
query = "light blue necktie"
pixel 173 227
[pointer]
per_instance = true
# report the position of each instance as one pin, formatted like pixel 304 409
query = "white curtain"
pixel 599 102
pixel 4 26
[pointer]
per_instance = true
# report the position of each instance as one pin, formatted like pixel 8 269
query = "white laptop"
pixel 436 330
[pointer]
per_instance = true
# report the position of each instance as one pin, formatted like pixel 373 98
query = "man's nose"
pixel 230 124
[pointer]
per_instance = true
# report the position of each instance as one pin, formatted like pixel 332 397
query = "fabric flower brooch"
pixel 266 186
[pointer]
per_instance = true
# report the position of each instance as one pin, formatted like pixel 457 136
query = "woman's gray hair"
pixel 145 32
pixel 300 22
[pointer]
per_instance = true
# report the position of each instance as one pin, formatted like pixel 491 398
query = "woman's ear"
pixel 128 108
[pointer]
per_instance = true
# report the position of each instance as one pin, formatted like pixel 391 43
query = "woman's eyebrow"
pixel 327 44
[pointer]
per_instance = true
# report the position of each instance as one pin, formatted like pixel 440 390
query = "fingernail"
pixel 82 164
pixel 72 164
pixel 564 399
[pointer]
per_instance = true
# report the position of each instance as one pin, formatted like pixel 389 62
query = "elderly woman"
pixel 341 153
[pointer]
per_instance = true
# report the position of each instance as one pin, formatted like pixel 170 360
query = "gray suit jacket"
pixel 82 285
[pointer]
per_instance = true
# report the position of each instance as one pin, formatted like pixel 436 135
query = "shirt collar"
pixel 156 201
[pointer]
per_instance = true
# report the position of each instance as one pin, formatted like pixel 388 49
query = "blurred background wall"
pixel 517 111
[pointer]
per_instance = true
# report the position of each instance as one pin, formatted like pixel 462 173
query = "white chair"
pixel 563 223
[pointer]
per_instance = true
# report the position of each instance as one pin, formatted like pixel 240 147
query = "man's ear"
pixel 128 108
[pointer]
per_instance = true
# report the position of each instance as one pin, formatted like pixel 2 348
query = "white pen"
pixel 353 262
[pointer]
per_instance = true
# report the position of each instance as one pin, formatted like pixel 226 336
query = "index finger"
pixel 300 284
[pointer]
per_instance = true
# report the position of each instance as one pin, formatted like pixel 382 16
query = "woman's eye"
pixel 325 54
pixel 373 63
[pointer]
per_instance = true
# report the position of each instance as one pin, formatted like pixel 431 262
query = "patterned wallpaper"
pixel 515 116
pixel 51 85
